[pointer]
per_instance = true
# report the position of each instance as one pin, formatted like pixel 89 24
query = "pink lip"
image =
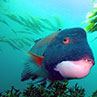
pixel 75 69
pixel 87 59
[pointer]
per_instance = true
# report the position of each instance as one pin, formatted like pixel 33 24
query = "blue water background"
pixel 72 13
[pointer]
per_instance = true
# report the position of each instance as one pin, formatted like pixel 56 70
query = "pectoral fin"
pixel 36 59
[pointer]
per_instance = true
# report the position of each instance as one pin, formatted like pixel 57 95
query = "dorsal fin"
pixel 36 59
pixel 45 41
pixel 37 41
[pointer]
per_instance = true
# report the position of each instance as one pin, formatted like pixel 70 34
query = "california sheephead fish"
pixel 62 55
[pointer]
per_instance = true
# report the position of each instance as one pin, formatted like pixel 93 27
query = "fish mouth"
pixel 87 59
pixel 75 69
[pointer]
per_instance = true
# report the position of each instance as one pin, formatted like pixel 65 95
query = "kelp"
pixel 5 0
pixel 3 8
pixel 36 24
pixel 92 14
pixel 29 25
pixel 91 21
pixel 32 25
pixel 17 42
pixel 3 21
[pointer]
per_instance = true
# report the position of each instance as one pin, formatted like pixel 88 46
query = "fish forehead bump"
pixel 72 32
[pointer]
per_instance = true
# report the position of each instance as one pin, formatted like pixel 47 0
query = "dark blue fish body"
pixel 63 55
pixel 56 52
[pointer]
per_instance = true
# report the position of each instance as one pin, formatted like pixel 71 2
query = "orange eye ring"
pixel 66 40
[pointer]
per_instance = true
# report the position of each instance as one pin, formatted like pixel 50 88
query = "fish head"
pixel 69 51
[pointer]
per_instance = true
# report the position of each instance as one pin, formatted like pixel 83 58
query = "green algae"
pixel 57 89
pixel 91 22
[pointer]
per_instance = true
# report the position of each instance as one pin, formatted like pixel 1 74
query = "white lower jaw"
pixel 74 69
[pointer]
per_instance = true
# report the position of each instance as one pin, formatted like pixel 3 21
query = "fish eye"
pixel 66 40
